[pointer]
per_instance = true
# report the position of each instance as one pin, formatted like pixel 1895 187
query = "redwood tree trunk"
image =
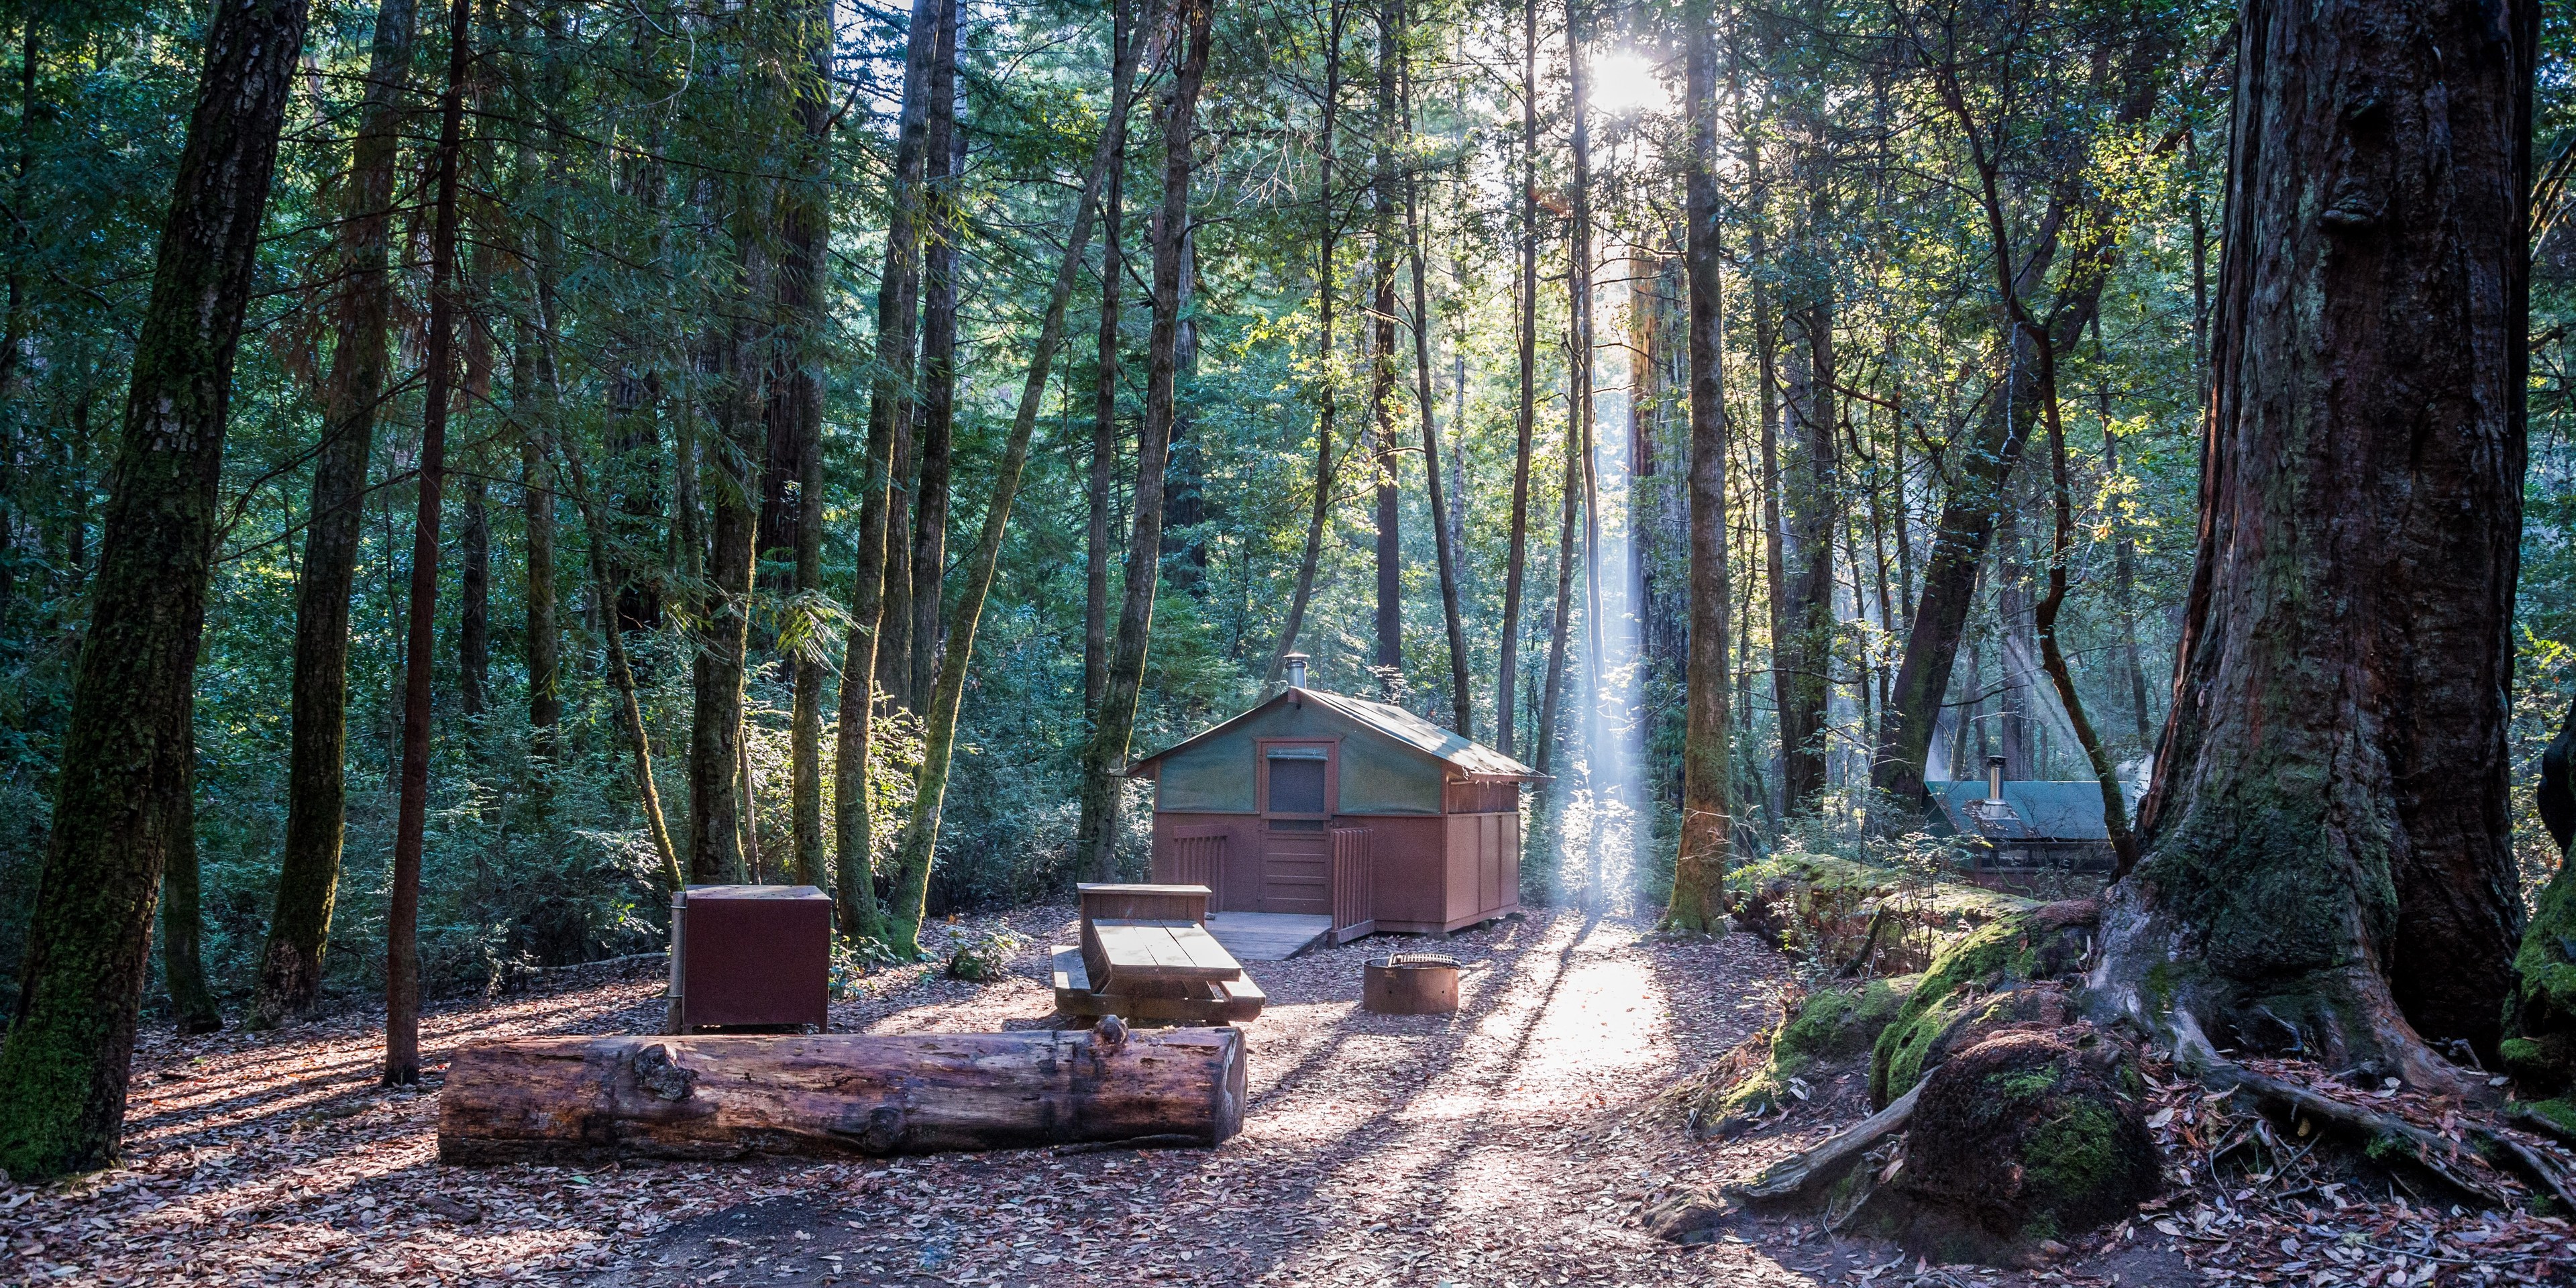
pixel 806 233
pixel 1389 563
pixel 1097 836
pixel 1507 661
pixel 308 875
pixel 2328 854
pixel 854 895
pixel 1699 866
pixel 939 717
pixel 938 419
pixel 1327 396
pixel 124 778
pixel 411 825
pixel 1104 420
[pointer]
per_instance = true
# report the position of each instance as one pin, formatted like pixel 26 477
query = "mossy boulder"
pixel 2040 944
pixel 2540 1019
pixel 2026 1136
pixel 1835 1025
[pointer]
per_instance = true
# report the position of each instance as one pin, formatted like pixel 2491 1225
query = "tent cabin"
pixel 1317 803
pixel 2024 825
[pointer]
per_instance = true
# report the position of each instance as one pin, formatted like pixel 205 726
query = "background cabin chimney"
pixel 1994 778
pixel 1296 670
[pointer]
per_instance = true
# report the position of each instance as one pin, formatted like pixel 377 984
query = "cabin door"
pixel 1296 813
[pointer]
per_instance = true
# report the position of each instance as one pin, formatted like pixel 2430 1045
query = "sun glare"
pixel 1627 84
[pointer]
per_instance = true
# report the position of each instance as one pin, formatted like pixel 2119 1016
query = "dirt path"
pixel 1507 1146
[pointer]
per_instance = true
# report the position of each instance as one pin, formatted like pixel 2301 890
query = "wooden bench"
pixel 1145 956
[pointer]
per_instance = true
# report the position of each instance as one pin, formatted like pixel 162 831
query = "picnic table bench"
pixel 1145 956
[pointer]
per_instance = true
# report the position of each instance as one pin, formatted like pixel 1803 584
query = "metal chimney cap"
pixel 1296 663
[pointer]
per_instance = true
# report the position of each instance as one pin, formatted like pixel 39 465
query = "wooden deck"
pixel 1267 936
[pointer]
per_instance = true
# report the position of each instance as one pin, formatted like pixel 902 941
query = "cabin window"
pixel 1296 785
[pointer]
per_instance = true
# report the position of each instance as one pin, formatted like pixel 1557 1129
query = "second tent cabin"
pixel 1324 805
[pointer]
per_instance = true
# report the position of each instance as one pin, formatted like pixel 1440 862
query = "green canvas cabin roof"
pixel 2042 810
pixel 1391 722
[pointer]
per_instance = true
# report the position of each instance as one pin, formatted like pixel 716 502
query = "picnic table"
pixel 1145 956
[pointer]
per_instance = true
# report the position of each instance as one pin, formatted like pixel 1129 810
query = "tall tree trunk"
pixel 1811 513
pixel 2329 861
pixel 1389 658
pixel 1699 864
pixel 1578 385
pixel 621 673
pixel 939 723
pixel 1571 498
pixel 1507 661
pixel 537 515
pixel 474 522
pixel 1327 394
pixel 2124 570
pixel 895 644
pixel 1104 420
pixel 1462 681
pixel 1096 837
pixel 183 925
pixel 308 876
pixel 411 820
pixel 806 227
pixel 854 893
pixel 938 417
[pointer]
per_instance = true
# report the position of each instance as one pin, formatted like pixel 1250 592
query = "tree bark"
pixel 621 673
pixel 1104 421
pixel 1571 501
pixel 308 876
pixel 864 1094
pixel 718 848
pixel 1462 681
pixel 854 896
pixel 806 236
pixel 939 719
pixel 1389 564
pixel 1096 837
pixel 183 966
pixel 1326 394
pixel 896 647
pixel 2328 861
pixel 938 401
pixel 402 911
pixel 1697 904
pixel 1507 660
pixel 1810 512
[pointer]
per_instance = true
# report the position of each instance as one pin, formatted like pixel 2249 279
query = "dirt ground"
pixel 1509 1146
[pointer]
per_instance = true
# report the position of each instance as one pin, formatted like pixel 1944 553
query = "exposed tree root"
pixel 2435 1154
pixel 1803 1175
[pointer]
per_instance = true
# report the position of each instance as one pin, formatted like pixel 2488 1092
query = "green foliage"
pixel 984 957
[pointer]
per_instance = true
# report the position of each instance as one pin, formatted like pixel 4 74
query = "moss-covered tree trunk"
pixel 1096 837
pixel 854 893
pixel 939 718
pixel 2540 1026
pixel 2327 861
pixel 1699 864
pixel 308 875
pixel 124 769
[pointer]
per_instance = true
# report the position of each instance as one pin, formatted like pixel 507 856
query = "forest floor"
pixel 1509 1146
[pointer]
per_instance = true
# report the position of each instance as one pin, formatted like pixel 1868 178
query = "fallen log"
pixel 1804 1175
pixel 716 1097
